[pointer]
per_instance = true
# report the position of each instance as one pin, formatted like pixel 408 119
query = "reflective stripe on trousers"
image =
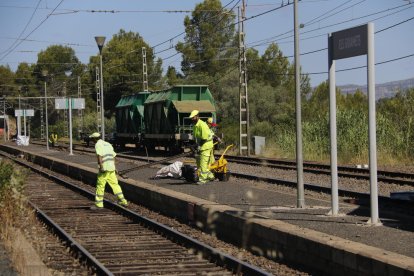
pixel 203 162
pixel 109 177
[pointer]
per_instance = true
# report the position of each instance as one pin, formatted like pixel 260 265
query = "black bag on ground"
pixel 189 172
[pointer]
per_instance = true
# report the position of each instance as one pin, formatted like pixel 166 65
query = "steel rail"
pixel 392 177
pixel 383 176
pixel 362 198
pixel 99 268
pixel 209 252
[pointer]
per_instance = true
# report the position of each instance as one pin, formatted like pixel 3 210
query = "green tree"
pixel 173 77
pixel 122 67
pixel 209 42
pixel 25 79
pixel 7 76
pixel 59 61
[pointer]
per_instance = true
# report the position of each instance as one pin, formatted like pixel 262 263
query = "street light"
pixel 44 74
pixel 100 40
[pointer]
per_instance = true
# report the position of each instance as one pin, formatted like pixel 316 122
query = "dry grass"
pixel 15 216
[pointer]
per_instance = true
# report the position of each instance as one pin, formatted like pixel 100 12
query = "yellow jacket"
pixel 203 136
pixel 106 151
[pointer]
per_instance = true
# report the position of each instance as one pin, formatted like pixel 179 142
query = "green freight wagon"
pixel 166 115
pixel 130 119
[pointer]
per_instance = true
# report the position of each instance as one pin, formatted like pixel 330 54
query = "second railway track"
pixel 117 241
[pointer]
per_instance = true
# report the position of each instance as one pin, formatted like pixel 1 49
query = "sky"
pixel 30 26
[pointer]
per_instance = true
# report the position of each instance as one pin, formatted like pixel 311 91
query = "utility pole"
pixel 244 144
pixel 299 156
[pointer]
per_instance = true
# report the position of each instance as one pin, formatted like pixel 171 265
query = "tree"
pixel 122 67
pixel 173 77
pixel 58 60
pixel 209 42
pixel 25 79
pixel 6 80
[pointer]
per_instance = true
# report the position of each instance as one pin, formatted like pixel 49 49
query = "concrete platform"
pixel 261 219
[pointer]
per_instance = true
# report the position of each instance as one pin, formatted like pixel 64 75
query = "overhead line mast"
pixel 144 70
pixel 244 146
pixel 98 100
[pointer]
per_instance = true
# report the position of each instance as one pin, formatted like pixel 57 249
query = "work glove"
pixel 195 148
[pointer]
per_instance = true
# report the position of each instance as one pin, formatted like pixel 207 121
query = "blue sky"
pixel 74 24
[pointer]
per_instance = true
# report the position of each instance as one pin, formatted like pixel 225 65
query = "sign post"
pixel 23 112
pixel 344 44
pixel 70 103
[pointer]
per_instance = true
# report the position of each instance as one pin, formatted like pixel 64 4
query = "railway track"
pixel 118 241
pixel 385 176
pixel 316 168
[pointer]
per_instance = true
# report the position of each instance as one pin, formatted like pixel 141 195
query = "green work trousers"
pixel 203 162
pixel 109 177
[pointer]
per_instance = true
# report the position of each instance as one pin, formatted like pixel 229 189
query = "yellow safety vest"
pixel 203 136
pixel 106 151
pixel 53 138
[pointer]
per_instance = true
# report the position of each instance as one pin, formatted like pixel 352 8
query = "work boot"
pixel 201 182
pixel 123 203
pixel 96 208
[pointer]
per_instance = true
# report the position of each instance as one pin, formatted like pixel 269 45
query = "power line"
pixel 37 27
pixel 274 38
pixel 24 29
pixel 363 66
pixel 390 27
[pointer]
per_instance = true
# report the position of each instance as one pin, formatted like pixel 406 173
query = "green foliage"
pixel 6 171
pixel 271 68
pixel 6 80
pixel 58 61
pixel 122 69
pixel 11 198
pixel 209 40
pixel 11 182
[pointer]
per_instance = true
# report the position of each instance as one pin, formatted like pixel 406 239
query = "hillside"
pixel 383 90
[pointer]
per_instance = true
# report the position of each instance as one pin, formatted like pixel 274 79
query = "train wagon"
pixel 130 119
pixel 166 115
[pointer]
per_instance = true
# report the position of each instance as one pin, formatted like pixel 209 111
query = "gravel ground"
pixel 268 265
pixel 394 236
pixel 350 184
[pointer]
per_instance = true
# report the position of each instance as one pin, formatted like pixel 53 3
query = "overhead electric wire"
pixel 274 38
pixel 169 40
pixel 37 27
pixel 24 29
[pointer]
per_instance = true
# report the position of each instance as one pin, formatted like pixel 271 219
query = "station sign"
pixel 350 42
pixel 63 103
pixel 24 112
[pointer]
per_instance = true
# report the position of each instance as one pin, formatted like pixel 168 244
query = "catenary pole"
pixel 332 128
pixel 372 128
pixel 299 156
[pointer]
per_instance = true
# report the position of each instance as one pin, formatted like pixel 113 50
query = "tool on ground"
pixel 123 172
pixel 219 167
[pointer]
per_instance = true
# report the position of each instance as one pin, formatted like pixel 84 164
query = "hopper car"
pixel 161 118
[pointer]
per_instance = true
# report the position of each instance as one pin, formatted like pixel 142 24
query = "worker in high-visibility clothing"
pixel 215 138
pixel 53 139
pixel 107 172
pixel 204 141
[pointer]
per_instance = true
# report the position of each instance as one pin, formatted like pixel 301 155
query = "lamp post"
pixel 100 40
pixel 44 74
